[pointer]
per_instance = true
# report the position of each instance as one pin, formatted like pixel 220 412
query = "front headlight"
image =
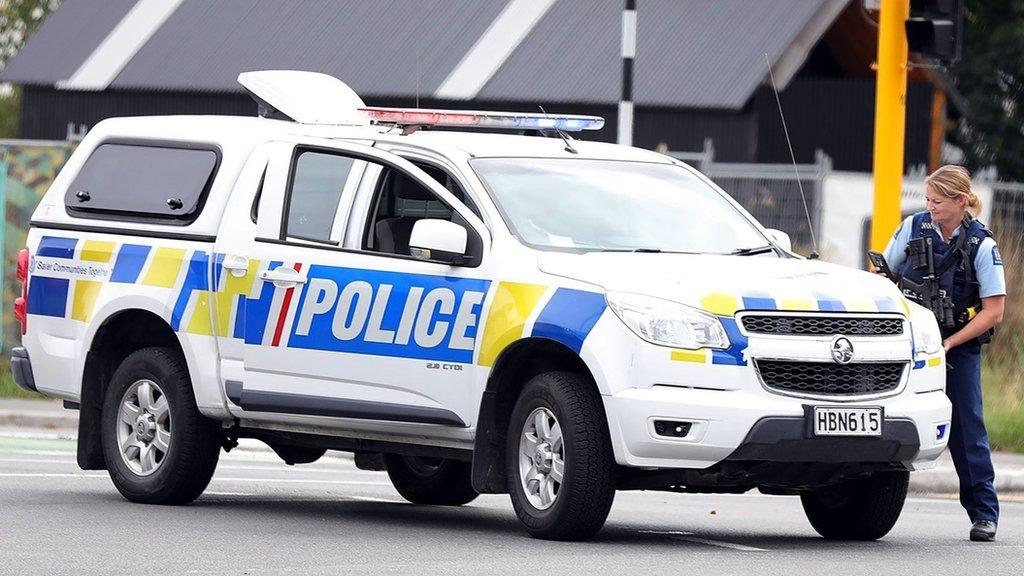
pixel 668 323
pixel 925 330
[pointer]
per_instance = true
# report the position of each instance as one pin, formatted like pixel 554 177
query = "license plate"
pixel 836 421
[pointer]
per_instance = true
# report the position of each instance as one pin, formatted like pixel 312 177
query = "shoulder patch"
pixel 997 260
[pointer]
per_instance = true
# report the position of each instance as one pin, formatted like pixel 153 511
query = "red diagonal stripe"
pixel 285 304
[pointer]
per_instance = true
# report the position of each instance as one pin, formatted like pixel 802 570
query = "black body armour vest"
pixel 956 260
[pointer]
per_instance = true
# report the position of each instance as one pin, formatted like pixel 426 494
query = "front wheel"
pixel 858 509
pixel 559 462
pixel 157 446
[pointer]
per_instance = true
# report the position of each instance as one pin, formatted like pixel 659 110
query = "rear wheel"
pixel 158 448
pixel 559 461
pixel 858 509
pixel 423 480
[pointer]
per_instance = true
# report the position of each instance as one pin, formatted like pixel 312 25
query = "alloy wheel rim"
pixel 541 458
pixel 143 427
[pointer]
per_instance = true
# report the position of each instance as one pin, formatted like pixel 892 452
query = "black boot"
pixel 983 531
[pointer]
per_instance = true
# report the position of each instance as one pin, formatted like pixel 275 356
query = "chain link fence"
pixel 1008 209
pixel 779 196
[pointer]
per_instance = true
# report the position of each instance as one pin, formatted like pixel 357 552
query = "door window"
pixel 319 182
pixel 399 202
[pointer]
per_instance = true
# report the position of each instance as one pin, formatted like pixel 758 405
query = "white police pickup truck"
pixel 476 312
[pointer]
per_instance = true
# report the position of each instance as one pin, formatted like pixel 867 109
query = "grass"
pixel 8 389
pixel 1004 409
pixel 1003 360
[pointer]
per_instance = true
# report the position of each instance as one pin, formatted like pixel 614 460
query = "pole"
pixel 625 135
pixel 890 120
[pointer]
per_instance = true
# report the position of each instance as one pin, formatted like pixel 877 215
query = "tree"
pixel 18 19
pixel 991 78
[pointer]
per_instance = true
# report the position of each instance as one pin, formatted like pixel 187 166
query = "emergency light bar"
pixel 478 119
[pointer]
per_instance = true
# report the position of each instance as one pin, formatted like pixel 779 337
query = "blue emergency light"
pixel 479 119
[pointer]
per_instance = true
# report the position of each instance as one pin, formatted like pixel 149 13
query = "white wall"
pixel 847 203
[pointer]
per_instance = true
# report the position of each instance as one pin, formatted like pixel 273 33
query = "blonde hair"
pixel 953 181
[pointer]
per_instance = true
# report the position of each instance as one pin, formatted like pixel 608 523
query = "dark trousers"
pixel 968 441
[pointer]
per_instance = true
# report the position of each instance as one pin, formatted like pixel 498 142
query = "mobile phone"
pixel 880 264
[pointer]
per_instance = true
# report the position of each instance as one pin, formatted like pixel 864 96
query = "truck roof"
pixel 245 131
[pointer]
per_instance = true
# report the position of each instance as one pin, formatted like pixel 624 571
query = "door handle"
pixel 282 276
pixel 238 265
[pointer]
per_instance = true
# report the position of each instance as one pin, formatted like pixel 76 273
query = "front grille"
pixel 830 379
pixel 822 325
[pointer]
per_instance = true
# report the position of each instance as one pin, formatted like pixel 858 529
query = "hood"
pixel 725 284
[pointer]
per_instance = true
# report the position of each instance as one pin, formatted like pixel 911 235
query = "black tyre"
pixel 423 480
pixel 158 448
pixel 559 461
pixel 858 509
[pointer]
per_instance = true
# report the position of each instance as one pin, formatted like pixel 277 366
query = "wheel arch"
pixel 117 336
pixel 513 368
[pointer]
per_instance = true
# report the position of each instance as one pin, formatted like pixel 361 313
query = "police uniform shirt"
pixel 988 265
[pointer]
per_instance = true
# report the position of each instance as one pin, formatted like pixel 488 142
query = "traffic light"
pixel 935 29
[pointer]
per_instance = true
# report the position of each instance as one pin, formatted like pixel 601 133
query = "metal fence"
pixel 778 195
pixel 1008 209
pixel 771 193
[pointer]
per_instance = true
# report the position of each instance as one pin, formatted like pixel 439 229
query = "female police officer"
pixel 974 280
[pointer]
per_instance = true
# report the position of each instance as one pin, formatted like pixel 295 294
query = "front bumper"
pixel 757 426
pixel 787 440
pixel 21 369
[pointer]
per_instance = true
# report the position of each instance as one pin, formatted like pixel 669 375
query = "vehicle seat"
pixel 392 234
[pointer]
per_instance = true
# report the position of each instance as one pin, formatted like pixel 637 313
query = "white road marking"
pixel 38 460
pixel 269 467
pixel 302 481
pixel 49 475
pixel 215 479
pixel 689 537
pixel 729 545
pixel 369 499
pixel 41 452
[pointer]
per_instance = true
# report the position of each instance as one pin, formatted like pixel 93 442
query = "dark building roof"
pixel 690 53
pixel 64 41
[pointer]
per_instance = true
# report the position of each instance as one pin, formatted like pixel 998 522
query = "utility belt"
pixel 965 315
pixel 951 318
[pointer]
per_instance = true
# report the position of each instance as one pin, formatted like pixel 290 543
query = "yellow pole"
pixel 890 120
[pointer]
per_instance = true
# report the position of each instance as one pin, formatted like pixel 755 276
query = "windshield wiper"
pixel 646 251
pixel 752 251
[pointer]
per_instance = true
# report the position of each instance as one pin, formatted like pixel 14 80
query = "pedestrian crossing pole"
pixel 890 120
pixel 628 54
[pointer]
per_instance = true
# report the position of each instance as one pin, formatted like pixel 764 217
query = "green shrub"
pixel 1003 360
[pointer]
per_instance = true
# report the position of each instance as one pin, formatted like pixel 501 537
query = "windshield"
pixel 613 205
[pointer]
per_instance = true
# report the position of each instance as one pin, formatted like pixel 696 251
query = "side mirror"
pixel 781 239
pixel 439 240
